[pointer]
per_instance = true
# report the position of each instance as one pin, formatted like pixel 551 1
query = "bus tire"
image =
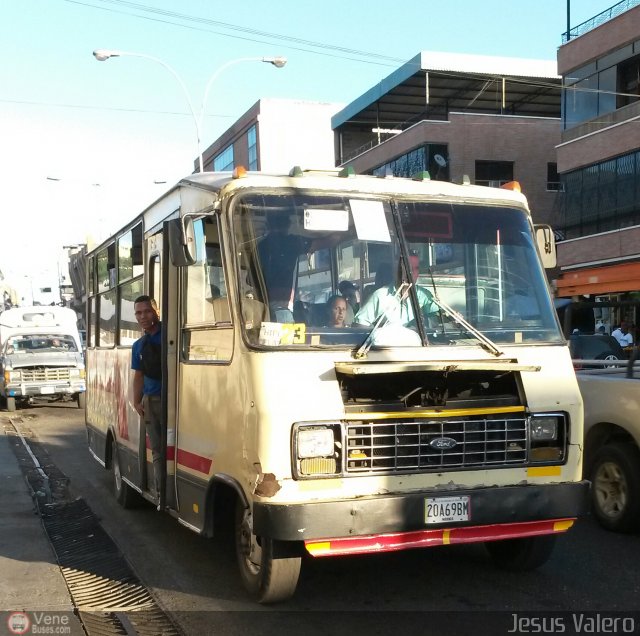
pixel 126 496
pixel 521 555
pixel 82 400
pixel 615 487
pixel 11 404
pixel 266 578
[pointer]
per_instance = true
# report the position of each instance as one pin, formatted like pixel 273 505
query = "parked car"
pixel 595 347
pixel 612 445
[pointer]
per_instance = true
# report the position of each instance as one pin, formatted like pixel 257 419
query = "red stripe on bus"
pixel 193 461
pixel 427 538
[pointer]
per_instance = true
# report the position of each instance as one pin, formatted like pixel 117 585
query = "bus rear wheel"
pixel 268 579
pixel 521 555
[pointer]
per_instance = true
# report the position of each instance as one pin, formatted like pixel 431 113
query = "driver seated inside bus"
pixel 398 309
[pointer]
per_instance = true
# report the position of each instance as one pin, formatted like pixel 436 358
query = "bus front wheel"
pixel 126 496
pixel 267 579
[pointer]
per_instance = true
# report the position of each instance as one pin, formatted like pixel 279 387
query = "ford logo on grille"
pixel 443 443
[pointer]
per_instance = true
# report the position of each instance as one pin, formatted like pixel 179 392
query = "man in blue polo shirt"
pixel 146 362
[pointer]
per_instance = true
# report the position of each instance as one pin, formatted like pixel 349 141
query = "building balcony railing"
pixel 599 19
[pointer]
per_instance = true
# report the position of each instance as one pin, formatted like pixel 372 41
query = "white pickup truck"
pixel 611 394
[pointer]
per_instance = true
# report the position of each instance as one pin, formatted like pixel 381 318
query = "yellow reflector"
pixel 512 185
pixel 239 172
pixel 318 466
pixel 544 471
pixel 446 537
pixel 561 526
pixel 196 509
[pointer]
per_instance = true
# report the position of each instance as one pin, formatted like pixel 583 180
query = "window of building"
pixel 432 158
pixel 493 173
pixel 553 178
pixel 224 161
pixel 628 82
pixel 252 144
pixel 601 197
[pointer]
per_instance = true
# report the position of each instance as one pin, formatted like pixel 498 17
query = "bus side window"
pixel 208 334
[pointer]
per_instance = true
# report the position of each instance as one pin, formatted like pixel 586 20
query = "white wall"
pixel 296 133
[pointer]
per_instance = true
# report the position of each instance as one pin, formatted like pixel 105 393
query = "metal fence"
pixel 599 19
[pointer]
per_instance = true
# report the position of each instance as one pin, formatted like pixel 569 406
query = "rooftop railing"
pixel 599 19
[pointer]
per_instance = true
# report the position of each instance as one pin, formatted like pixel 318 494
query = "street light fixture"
pixel 104 54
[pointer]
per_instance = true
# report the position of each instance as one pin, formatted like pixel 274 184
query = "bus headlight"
pixel 12 376
pixel 544 428
pixel 316 449
pixel 76 373
pixel 548 438
pixel 315 442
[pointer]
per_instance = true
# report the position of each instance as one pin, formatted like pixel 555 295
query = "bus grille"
pixel 44 374
pixel 424 445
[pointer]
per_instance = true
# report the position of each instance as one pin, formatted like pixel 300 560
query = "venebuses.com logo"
pixel 38 623
pixel 18 623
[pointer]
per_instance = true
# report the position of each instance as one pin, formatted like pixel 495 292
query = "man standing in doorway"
pixel 146 362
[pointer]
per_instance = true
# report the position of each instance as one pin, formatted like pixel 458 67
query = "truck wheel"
pixel 521 555
pixel 266 578
pixel 615 489
pixel 11 404
pixel 126 496
pixel 82 400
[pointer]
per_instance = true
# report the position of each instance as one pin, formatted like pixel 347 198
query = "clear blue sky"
pixel 124 123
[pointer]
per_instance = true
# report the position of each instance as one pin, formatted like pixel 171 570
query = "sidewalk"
pixel 30 579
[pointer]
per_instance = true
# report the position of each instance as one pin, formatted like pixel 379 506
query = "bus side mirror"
pixel 182 241
pixel 546 245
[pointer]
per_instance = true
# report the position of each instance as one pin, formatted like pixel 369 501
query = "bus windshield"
pixel 338 270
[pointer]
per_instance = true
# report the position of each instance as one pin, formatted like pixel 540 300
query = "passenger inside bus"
pixel 337 312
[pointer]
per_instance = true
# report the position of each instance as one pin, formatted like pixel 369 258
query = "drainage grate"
pixel 109 597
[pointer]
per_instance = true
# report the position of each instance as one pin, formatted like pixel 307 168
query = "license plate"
pixel 445 509
pixel 47 390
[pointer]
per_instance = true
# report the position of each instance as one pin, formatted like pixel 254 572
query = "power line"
pixel 238 37
pixel 107 108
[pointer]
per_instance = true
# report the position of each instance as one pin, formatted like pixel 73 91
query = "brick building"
pixel 599 160
pixel 492 119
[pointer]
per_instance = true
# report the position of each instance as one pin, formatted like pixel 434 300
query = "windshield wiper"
pixel 379 321
pixel 485 342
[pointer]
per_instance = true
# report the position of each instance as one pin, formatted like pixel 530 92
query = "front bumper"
pixel 48 389
pixel 406 513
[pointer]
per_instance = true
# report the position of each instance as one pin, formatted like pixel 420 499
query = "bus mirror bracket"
pixel 546 245
pixel 182 241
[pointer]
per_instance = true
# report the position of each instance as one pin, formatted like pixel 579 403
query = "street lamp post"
pixel 104 54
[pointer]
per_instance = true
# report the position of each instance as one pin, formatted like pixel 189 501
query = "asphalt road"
pixel 196 579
